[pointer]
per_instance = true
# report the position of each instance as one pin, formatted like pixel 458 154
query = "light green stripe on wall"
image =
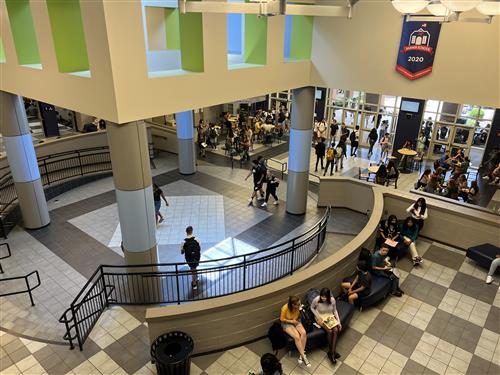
pixel 68 35
pixel 2 52
pixel 191 38
pixel 255 39
pixel 301 38
pixel 172 28
pixel 23 31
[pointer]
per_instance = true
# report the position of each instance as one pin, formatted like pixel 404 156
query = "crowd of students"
pixel 449 179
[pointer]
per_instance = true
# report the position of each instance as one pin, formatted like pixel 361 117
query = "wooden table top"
pixel 407 151
pixel 373 168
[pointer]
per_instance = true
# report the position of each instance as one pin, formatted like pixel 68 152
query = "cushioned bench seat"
pixel 483 254
pixel 381 287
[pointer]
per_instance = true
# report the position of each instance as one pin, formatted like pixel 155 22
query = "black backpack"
pixel 352 137
pixel 306 315
pixel 191 249
pixel 277 336
pixel 213 133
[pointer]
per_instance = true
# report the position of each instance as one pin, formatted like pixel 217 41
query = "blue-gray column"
pixel 22 161
pixel 299 151
pixel 185 134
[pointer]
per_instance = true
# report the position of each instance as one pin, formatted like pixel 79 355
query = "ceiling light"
pixel 409 6
pixel 438 9
pixel 460 5
pixel 489 7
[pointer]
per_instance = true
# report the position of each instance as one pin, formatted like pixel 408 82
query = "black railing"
pixel 170 283
pixel 277 165
pixel 57 167
pixel 29 288
pixel 2 255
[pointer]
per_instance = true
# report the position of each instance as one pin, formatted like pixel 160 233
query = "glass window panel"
pixel 432 106
pixel 443 132
pixel 372 98
pixel 480 137
pixel 461 135
pixel 349 117
pixel 338 114
pixel 489 113
pixel 450 108
pixel 438 150
pixel 389 101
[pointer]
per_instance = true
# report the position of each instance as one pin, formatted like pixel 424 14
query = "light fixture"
pixel 460 5
pixel 489 7
pixel 438 9
pixel 409 6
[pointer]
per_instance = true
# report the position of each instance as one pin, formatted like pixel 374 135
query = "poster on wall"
pixel 417 48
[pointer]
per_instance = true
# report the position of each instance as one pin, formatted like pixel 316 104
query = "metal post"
pixel 29 290
pixel 177 284
pixel 292 257
pixel 244 272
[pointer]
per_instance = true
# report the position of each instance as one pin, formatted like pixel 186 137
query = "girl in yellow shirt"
pixel 290 322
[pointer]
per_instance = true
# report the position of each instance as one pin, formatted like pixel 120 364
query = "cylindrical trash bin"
pixel 171 353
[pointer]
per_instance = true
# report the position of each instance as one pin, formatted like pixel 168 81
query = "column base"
pixel 296 193
pixel 141 257
pixel 187 157
pixel 33 204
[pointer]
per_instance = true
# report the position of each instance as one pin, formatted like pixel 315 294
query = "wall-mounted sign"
pixel 417 48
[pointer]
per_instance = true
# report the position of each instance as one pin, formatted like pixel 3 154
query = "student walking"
pixel 320 153
pixel 354 138
pixel 340 152
pixel 259 175
pixel 372 139
pixel 384 146
pixel 330 159
pixel 158 196
pixel 191 248
pixel 272 184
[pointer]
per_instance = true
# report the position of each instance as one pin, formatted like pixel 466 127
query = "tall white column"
pixel 299 151
pixel 185 134
pixel 22 161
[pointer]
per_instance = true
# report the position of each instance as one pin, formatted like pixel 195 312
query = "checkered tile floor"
pixel 448 322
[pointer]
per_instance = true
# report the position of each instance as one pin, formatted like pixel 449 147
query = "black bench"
pixel 380 288
pixel 317 338
pixel 483 254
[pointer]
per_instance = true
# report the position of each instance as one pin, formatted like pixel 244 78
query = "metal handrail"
pixel 283 165
pixel 165 283
pixel 5 256
pixel 29 288
pixel 57 167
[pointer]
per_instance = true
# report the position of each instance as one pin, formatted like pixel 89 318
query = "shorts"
pixel 257 187
pixel 287 325
pixel 157 206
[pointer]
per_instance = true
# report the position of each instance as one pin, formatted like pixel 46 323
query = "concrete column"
pixel 299 151
pixel 22 161
pixel 128 144
pixel 185 134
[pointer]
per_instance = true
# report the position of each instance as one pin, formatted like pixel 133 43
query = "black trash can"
pixel 171 353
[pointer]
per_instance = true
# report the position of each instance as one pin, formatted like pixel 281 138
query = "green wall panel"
pixel 23 31
pixel 191 37
pixel 255 39
pixel 172 28
pixel 68 35
pixel 301 39
pixel 2 52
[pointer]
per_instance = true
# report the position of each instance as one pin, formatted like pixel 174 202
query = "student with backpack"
pixel 340 152
pixel 354 138
pixel 330 159
pixel 272 184
pixel 372 139
pixel 191 249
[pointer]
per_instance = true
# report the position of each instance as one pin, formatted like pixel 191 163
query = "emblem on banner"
pixel 417 48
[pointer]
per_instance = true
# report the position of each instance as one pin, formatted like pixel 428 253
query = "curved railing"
pixel 57 167
pixel 170 283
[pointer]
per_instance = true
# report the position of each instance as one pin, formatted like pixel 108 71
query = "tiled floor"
pixel 448 322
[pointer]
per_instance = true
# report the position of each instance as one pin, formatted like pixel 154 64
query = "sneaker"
pixel 161 220
pixel 485 178
pixel 337 355
pixel 330 357
pixel 263 204
pixel 420 260
pixel 396 294
pixel 401 291
pixel 415 262
pixel 306 361
pixel 194 286
pixel 300 361
pixel 276 203
pixel 261 199
pixel 489 279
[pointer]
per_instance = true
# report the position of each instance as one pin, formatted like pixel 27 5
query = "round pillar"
pixel 22 161
pixel 299 151
pixel 185 134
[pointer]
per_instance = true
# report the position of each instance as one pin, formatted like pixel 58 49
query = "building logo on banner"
pixel 417 48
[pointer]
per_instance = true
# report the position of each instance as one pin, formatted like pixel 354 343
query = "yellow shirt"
pixel 286 314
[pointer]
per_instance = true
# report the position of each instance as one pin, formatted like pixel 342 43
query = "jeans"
pixel 494 266
pixel 329 163
pixel 372 143
pixel 318 158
